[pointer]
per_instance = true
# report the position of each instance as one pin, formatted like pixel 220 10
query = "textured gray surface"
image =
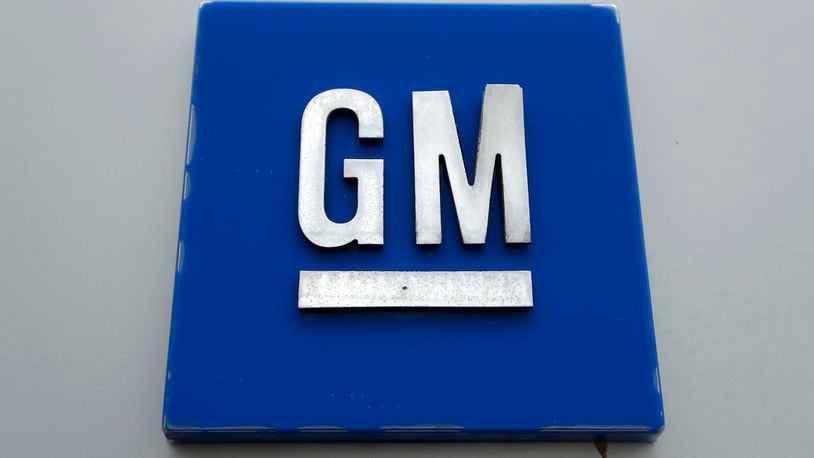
pixel 93 112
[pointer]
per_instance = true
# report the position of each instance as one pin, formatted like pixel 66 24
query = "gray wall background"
pixel 93 112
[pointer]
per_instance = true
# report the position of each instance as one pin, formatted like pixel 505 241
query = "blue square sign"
pixel 410 222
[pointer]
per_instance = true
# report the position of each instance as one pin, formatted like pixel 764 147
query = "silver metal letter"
pixel 502 134
pixel 367 225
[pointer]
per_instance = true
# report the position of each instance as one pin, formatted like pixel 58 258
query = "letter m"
pixel 502 135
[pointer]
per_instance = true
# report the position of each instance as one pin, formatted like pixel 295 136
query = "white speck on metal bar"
pixel 383 289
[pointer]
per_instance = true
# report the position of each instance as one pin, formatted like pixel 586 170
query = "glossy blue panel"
pixel 246 364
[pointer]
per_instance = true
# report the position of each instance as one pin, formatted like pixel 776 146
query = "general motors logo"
pixel 435 138
pixel 407 222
